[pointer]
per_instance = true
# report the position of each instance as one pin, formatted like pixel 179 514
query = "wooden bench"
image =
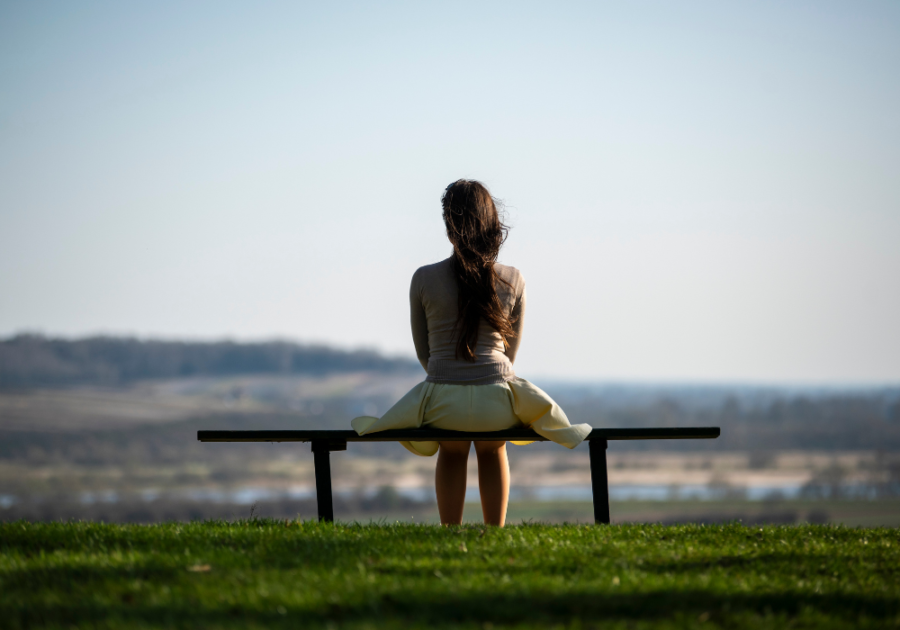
pixel 323 442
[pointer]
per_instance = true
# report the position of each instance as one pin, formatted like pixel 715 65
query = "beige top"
pixel 433 313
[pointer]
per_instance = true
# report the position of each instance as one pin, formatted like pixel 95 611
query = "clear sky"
pixel 699 191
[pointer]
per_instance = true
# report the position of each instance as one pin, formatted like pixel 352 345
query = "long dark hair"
pixel 476 232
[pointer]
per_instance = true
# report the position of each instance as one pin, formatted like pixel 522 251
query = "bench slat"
pixel 423 435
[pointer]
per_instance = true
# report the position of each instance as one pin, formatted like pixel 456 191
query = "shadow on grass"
pixel 796 565
pixel 444 609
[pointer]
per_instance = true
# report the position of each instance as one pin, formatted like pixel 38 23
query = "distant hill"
pixel 34 360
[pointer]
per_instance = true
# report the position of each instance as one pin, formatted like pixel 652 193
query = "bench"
pixel 323 442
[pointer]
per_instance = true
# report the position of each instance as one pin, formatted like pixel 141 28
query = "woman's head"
pixel 477 233
pixel 472 221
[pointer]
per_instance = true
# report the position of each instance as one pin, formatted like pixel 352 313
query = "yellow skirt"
pixel 517 403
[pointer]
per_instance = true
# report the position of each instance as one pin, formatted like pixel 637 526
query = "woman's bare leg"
pixel 450 481
pixel 493 481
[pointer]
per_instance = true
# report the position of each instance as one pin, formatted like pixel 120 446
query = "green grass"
pixel 865 513
pixel 264 573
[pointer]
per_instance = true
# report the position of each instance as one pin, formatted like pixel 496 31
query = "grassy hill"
pixel 266 573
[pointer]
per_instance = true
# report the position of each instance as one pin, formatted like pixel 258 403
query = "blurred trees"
pixel 761 422
pixel 33 360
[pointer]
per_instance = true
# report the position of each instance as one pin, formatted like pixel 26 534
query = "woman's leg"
pixel 493 480
pixel 450 481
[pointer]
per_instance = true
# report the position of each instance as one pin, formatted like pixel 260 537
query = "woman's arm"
pixel 517 316
pixel 419 324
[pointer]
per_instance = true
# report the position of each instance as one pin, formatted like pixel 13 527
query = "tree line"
pixel 35 360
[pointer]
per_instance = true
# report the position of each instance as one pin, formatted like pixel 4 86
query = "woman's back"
pixel 434 306
pixel 467 314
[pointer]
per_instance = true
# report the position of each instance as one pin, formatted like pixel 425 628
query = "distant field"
pixel 267 573
pixel 390 507
pixel 128 453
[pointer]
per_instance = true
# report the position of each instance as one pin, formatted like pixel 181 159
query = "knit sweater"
pixel 434 309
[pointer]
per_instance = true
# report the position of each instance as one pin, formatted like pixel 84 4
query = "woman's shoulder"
pixel 441 267
pixel 430 274
pixel 510 274
pixel 443 270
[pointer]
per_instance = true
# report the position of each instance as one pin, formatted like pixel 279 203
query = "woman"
pixel 467 313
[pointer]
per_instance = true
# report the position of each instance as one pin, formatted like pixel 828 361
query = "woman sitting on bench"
pixel 467 313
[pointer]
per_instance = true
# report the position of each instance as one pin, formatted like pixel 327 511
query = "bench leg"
pixel 322 460
pixel 599 480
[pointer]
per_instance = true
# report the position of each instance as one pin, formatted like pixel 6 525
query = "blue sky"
pixel 698 191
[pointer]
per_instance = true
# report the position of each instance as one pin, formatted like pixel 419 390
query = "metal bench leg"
pixel 599 480
pixel 322 460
